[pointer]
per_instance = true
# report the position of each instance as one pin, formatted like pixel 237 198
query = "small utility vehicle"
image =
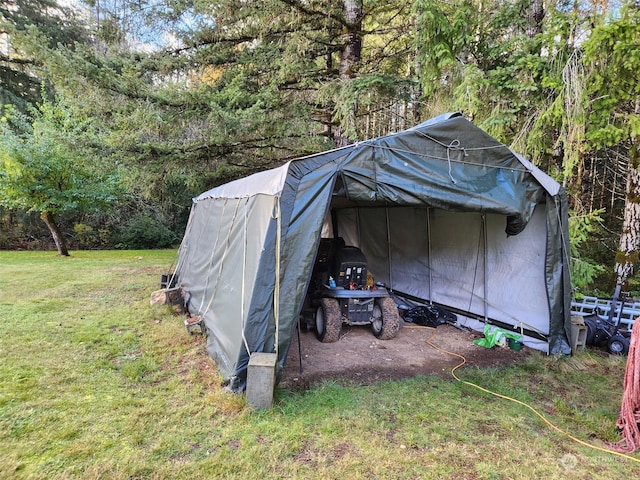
pixel 342 291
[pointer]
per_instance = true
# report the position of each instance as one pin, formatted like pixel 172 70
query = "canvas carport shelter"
pixel 444 213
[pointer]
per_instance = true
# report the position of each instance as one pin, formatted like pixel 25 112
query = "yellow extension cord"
pixel 554 427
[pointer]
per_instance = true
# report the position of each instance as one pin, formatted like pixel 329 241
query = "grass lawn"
pixel 97 384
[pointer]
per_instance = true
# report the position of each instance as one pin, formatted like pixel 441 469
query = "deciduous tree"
pixel 45 170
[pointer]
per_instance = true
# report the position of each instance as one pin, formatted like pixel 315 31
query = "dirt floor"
pixel 360 358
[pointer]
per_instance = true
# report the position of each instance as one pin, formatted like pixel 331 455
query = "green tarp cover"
pixel 442 211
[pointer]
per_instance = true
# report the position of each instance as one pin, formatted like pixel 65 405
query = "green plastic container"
pixel 515 344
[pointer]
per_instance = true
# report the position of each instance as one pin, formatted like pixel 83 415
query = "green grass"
pixel 97 384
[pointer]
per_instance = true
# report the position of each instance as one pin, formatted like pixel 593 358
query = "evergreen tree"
pixel 613 55
pixel 20 73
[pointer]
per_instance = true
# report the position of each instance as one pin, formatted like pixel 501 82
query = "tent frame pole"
pixel 299 346
pixel 485 299
pixel 429 253
pixel 386 213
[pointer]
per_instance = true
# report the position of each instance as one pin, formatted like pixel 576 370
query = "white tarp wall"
pixel 219 266
pixel 451 259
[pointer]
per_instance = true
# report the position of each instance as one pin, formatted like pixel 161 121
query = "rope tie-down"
pixel 629 419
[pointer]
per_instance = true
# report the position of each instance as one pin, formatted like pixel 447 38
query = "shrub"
pixel 144 231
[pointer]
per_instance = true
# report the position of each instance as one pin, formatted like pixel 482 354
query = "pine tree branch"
pixel 308 11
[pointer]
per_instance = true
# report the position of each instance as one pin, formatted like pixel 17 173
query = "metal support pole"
pixel 386 212
pixel 483 226
pixel 429 252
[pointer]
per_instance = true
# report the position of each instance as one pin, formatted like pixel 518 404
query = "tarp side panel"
pixel 558 273
pixel 516 273
pixel 206 240
pixel 260 318
pixel 366 229
pixel 409 249
pixel 219 272
pixel 300 247
pixel 457 260
pixel 456 254
pixel 303 206
pixel 348 226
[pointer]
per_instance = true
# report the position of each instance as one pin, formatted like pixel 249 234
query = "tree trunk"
pixel 352 39
pixel 535 15
pixel 627 255
pixel 61 244
pixel 350 56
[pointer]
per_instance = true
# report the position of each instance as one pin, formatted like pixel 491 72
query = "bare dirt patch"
pixel 360 358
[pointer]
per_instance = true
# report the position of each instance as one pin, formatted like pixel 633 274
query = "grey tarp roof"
pixel 446 163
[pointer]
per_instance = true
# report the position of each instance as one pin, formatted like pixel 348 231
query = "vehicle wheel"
pixel 328 320
pixel 618 345
pixel 385 321
pixel 591 330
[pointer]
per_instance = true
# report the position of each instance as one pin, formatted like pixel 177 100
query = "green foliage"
pixel 583 269
pixel 543 138
pixel 248 85
pixel 20 73
pixel 89 237
pixel 444 31
pixel 362 94
pixel 613 54
pixel 43 167
pixel 470 93
pixel 484 65
pixel 145 231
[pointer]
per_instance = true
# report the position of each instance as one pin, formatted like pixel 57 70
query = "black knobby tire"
pixel 386 325
pixel 618 345
pixel 592 326
pixel 328 320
